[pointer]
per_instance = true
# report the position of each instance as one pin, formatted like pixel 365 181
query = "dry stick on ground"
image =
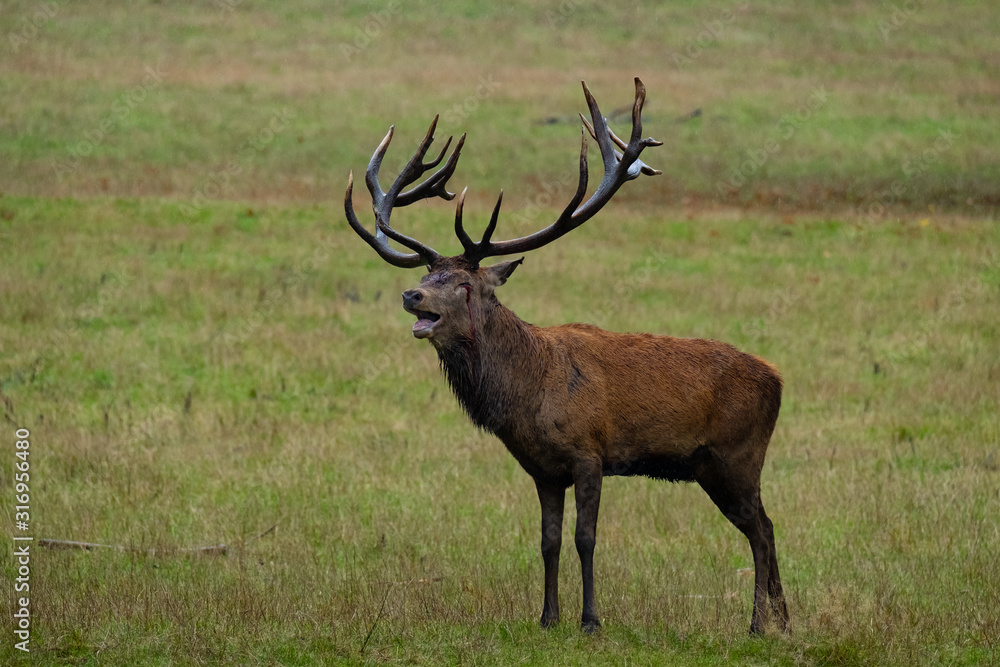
pixel 212 550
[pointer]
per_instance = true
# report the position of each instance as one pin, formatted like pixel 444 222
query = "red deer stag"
pixel 574 403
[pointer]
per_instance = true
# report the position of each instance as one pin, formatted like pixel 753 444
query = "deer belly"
pixel 671 467
pixel 661 448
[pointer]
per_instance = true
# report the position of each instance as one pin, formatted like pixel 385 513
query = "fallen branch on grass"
pixel 213 550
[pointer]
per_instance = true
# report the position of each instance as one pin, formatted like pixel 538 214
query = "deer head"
pixel 457 290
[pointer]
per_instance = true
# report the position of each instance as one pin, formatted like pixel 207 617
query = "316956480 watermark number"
pixel 22 539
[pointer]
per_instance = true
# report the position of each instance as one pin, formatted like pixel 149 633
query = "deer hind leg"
pixel 552 500
pixel 740 503
pixel 587 488
pixel 774 591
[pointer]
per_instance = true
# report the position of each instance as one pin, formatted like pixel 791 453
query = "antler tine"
pixel 416 246
pixel 581 188
pixel 473 251
pixel 394 257
pixel 490 228
pixel 414 168
pixel 614 137
pixel 599 130
pixel 635 139
pixel 435 184
pixel 618 168
pixel 636 132
pixel 383 202
pixel 467 242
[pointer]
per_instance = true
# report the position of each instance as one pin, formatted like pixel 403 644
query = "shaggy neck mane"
pixel 485 371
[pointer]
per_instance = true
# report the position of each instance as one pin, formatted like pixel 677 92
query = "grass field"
pixel 205 353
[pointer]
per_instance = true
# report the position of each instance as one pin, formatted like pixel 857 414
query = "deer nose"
pixel 412 299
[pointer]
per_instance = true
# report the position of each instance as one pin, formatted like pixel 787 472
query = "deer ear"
pixel 499 273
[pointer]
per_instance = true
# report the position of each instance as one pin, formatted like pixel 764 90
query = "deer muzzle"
pixel 426 319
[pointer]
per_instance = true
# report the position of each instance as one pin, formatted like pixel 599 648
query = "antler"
pixel 384 202
pixel 618 168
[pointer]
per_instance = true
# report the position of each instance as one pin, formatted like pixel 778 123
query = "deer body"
pixel 639 404
pixel 574 403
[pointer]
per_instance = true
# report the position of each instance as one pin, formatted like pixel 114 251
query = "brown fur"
pixel 574 403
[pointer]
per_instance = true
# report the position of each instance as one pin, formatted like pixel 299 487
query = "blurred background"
pixel 765 103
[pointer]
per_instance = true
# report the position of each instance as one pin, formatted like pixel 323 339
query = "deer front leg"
pixel 552 500
pixel 587 486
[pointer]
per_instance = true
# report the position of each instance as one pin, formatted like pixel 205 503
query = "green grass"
pixel 205 353
pixel 220 76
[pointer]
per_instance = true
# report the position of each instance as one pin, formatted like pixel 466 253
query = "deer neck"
pixel 495 372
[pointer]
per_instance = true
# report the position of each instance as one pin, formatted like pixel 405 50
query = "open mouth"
pixel 425 322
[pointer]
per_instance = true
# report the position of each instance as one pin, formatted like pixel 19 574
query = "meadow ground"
pixel 204 353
